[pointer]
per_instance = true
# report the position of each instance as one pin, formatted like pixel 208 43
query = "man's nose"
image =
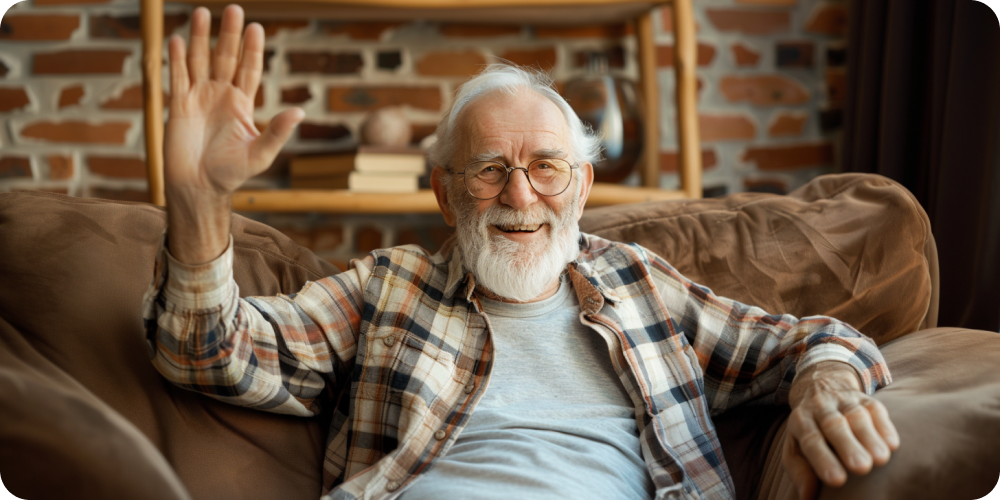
pixel 518 192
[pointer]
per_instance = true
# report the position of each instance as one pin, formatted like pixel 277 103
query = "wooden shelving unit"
pixel 538 12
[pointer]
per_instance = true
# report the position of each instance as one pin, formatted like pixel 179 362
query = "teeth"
pixel 520 227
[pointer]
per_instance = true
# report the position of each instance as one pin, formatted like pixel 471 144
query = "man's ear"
pixel 587 178
pixel 440 189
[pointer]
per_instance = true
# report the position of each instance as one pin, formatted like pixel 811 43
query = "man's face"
pixel 518 243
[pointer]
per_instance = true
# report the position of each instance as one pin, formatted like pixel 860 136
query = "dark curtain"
pixel 923 108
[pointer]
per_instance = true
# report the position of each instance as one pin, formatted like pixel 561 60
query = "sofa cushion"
pixel 843 245
pixel 945 403
pixel 74 273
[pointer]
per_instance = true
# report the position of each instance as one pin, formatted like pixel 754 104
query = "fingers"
pixel 266 147
pixel 798 468
pixel 199 51
pixel 252 61
pixel 227 48
pixel 868 437
pixel 803 428
pixel 839 429
pixel 179 78
pixel 883 424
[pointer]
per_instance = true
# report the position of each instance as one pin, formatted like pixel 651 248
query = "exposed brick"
pixel 296 95
pixel 13 98
pixel 119 194
pixel 329 63
pixel 316 131
pixel 763 90
pixel 271 26
pixel 451 63
pixel 15 166
pixel 478 30
pixel 67 2
pixel 390 59
pixel 118 167
pixel 777 3
pixel 794 54
pixel 750 22
pixel 745 55
pixel 726 127
pixel 667 20
pixel 60 167
pixel 790 157
pixel 836 85
pixel 669 159
pixel 79 62
pixel 665 55
pixel 537 58
pixel 327 238
pixel 130 98
pixel 368 238
pixel 130 27
pixel 828 19
pixel 77 132
pixel 38 27
pixel 430 238
pixel 788 124
pixel 70 96
pixel 359 31
pixel 268 54
pixel 769 185
pixel 614 55
pixel 370 98
pixel 600 31
pixel 836 55
pixel 420 131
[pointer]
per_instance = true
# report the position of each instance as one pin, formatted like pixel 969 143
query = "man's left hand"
pixel 834 426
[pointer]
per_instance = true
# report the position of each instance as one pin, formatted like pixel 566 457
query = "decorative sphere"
pixel 386 127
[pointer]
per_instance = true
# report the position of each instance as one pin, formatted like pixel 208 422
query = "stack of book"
pixel 367 169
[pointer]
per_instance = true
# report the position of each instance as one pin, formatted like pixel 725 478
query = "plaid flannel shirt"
pixel 402 341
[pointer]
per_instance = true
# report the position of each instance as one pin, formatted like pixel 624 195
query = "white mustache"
pixel 499 215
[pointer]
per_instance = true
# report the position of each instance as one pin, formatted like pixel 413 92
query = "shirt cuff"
pixel 199 286
pixel 832 352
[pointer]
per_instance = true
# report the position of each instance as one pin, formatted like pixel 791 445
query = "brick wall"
pixel 771 82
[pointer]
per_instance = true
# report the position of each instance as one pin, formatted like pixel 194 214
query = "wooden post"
pixel 651 101
pixel 152 92
pixel 685 65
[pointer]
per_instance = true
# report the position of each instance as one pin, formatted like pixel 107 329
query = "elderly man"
pixel 524 360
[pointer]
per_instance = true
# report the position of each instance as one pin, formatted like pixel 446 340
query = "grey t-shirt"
pixel 555 421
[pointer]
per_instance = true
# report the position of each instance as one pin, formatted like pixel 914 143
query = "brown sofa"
pixel 84 415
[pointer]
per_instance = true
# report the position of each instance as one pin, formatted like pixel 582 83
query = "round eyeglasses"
pixel 485 180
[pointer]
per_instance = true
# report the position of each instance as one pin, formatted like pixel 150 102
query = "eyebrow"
pixel 538 153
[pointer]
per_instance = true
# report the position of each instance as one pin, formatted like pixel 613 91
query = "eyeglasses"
pixel 485 180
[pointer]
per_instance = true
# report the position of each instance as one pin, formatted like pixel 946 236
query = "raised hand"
pixel 211 142
pixel 211 145
pixel 834 428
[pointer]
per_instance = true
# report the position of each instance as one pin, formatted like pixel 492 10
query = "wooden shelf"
pixel 346 202
pixel 547 12
pixel 538 12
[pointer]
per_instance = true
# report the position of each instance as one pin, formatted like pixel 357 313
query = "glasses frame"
pixel 509 169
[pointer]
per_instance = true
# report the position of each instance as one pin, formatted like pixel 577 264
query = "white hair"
pixel 584 143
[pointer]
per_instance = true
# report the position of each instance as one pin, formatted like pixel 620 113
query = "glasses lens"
pixel 550 176
pixel 485 179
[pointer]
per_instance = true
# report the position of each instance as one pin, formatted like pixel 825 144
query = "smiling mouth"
pixel 518 228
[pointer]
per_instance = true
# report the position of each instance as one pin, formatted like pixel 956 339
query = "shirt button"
pixel 440 434
pixel 392 486
pixel 388 341
pixel 469 388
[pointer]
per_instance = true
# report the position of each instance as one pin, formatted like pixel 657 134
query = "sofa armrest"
pixel 945 403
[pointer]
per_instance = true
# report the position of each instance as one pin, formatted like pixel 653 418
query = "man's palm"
pixel 211 143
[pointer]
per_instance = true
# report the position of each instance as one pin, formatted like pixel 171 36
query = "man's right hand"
pixel 211 145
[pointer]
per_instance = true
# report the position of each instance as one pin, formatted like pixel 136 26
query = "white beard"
pixel 510 269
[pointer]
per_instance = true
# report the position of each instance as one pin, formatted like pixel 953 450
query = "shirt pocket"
pixel 422 376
